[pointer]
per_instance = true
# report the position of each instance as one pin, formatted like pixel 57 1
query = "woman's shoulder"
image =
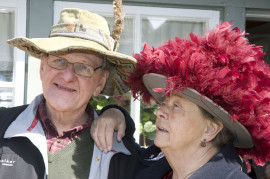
pixel 224 165
pixel 216 171
pixel 237 175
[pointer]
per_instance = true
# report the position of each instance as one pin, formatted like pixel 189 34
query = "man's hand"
pixel 267 172
pixel 103 127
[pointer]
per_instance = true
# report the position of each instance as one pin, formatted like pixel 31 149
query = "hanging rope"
pixel 118 22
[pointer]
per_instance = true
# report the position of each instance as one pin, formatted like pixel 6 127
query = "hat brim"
pixel 242 138
pixel 38 46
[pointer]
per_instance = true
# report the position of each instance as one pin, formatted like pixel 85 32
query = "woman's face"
pixel 180 124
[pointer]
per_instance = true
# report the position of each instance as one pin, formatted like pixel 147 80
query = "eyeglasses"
pixel 81 69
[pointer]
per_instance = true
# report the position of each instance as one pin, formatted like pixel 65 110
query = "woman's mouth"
pixel 160 129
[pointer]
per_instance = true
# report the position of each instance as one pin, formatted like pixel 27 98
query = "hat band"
pixel 83 32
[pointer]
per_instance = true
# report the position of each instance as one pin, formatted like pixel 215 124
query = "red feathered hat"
pixel 221 68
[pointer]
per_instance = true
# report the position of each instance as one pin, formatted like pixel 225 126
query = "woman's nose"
pixel 162 113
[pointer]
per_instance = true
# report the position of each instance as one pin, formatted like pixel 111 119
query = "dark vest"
pixel 18 156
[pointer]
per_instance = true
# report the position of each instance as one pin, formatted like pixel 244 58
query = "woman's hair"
pixel 224 136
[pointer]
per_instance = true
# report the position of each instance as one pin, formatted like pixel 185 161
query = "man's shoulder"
pixel 13 110
pixel 8 115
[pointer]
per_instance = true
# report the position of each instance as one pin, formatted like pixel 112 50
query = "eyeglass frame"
pixel 94 69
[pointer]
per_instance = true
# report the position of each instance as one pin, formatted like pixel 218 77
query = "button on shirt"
pixel 56 142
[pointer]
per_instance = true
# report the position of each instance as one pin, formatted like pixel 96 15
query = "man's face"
pixel 64 90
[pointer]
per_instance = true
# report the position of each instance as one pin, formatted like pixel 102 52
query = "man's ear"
pixel 102 83
pixel 212 130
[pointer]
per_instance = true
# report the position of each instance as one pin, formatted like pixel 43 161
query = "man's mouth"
pixel 65 88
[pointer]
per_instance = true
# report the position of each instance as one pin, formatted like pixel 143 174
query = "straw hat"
pixel 83 30
pixel 222 73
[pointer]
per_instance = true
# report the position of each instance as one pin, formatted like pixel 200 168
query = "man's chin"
pixel 60 104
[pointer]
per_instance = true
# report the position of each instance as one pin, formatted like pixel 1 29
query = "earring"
pixel 203 143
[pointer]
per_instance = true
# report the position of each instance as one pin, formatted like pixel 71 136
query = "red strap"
pixel 168 175
pixel 34 123
pixel 113 151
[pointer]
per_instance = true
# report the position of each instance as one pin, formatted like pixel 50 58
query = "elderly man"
pixel 51 136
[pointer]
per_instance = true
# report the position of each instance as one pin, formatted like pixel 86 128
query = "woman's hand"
pixel 103 127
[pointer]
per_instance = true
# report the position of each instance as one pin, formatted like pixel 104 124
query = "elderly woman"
pixel 214 101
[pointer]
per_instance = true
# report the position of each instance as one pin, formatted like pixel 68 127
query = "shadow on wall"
pixel 259 34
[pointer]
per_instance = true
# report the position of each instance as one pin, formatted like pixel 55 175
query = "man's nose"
pixel 69 73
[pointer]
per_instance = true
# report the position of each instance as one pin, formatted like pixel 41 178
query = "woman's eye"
pixel 175 105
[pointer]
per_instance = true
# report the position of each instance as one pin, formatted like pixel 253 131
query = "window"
pixel 12 60
pixel 258 25
pixel 148 24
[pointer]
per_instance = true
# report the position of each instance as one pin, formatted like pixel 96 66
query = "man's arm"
pixel 112 118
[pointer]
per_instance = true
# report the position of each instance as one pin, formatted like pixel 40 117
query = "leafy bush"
pixel 1 108
pixel 101 101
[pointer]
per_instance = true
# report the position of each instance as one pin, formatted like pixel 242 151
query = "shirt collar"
pixel 45 121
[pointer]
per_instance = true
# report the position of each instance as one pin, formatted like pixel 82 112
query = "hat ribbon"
pixel 83 32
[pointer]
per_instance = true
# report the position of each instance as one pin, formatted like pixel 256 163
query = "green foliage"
pixel 148 120
pixel 149 130
pixel 149 127
pixel 148 113
pixel 101 101
pixel 1 108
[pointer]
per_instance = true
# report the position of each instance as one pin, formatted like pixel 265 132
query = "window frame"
pixel 211 17
pixel 19 7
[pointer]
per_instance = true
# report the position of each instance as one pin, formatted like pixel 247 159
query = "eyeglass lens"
pixel 79 68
